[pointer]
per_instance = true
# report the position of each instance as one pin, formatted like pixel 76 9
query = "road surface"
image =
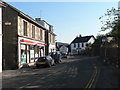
pixel 73 72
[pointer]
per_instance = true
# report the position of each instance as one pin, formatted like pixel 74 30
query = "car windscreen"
pixel 42 59
pixel 49 57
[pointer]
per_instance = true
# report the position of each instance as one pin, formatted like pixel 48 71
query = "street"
pixel 73 72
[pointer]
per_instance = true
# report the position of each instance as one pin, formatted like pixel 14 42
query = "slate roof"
pixel 82 39
pixel 61 44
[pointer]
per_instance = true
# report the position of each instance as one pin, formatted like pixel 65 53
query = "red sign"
pixel 27 41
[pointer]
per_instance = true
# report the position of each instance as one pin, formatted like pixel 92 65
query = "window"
pixel 41 34
pixel 78 45
pixel 82 44
pixel 74 45
pixel 53 39
pixel 33 31
pixel 50 38
pixel 25 28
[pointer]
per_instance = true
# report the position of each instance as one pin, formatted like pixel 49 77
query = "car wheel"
pixel 54 64
pixel 58 61
pixel 37 66
pixel 55 61
pixel 49 64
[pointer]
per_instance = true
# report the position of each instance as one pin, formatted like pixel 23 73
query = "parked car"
pixel 56 56
pixel 64 55
pixel 45 61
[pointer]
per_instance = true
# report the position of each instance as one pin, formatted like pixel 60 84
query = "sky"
pixel 69 19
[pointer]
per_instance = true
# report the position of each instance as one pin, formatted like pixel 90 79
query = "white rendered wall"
pixel 63 49
pixel 92 40
pixel 52 46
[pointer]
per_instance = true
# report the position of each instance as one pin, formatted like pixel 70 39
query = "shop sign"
pixel 8 23
pixel 32 42
pixel 23 47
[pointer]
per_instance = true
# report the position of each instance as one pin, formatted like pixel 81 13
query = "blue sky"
pixel 68 18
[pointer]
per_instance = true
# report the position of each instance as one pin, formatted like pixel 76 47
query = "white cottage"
pixel 80 43
pixel 63 49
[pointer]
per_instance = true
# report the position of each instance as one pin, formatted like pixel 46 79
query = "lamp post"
pixel 104 40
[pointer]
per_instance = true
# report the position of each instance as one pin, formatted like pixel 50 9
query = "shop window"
pixel 23 54
pixel 32 53
pixel 36 52
pixel 28 53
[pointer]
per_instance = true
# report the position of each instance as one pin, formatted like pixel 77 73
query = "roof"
pixel 20 13
pixel 1 4
pixel 82 39
pixel 61 44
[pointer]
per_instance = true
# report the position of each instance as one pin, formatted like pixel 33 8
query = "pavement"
pixel 13 73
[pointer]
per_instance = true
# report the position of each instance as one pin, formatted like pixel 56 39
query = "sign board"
pixel 23 47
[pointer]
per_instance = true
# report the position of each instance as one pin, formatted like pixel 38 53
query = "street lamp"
pixel 104 40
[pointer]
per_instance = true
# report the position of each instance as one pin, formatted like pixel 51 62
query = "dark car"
pixel 45 61
pixel 56 56
pixel 64 55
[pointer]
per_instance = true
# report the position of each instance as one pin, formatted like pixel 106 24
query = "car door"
pixel 52 60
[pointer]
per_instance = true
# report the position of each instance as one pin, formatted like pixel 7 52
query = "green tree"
pixel 111 21
pixel 97 45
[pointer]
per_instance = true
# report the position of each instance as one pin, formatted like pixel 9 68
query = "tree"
pixel 110 19
pixel 97 45
pixel 112 23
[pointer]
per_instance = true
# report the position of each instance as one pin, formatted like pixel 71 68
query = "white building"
pixel 63 49
pixel 50 36
pixel 80 43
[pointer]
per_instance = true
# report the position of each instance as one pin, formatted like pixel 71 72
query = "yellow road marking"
pixel 93 77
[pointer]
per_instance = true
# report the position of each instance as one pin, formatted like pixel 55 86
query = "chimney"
pixel 80 35
pixel 37 19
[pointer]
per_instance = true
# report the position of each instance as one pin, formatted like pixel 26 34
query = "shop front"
pixel 29 50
